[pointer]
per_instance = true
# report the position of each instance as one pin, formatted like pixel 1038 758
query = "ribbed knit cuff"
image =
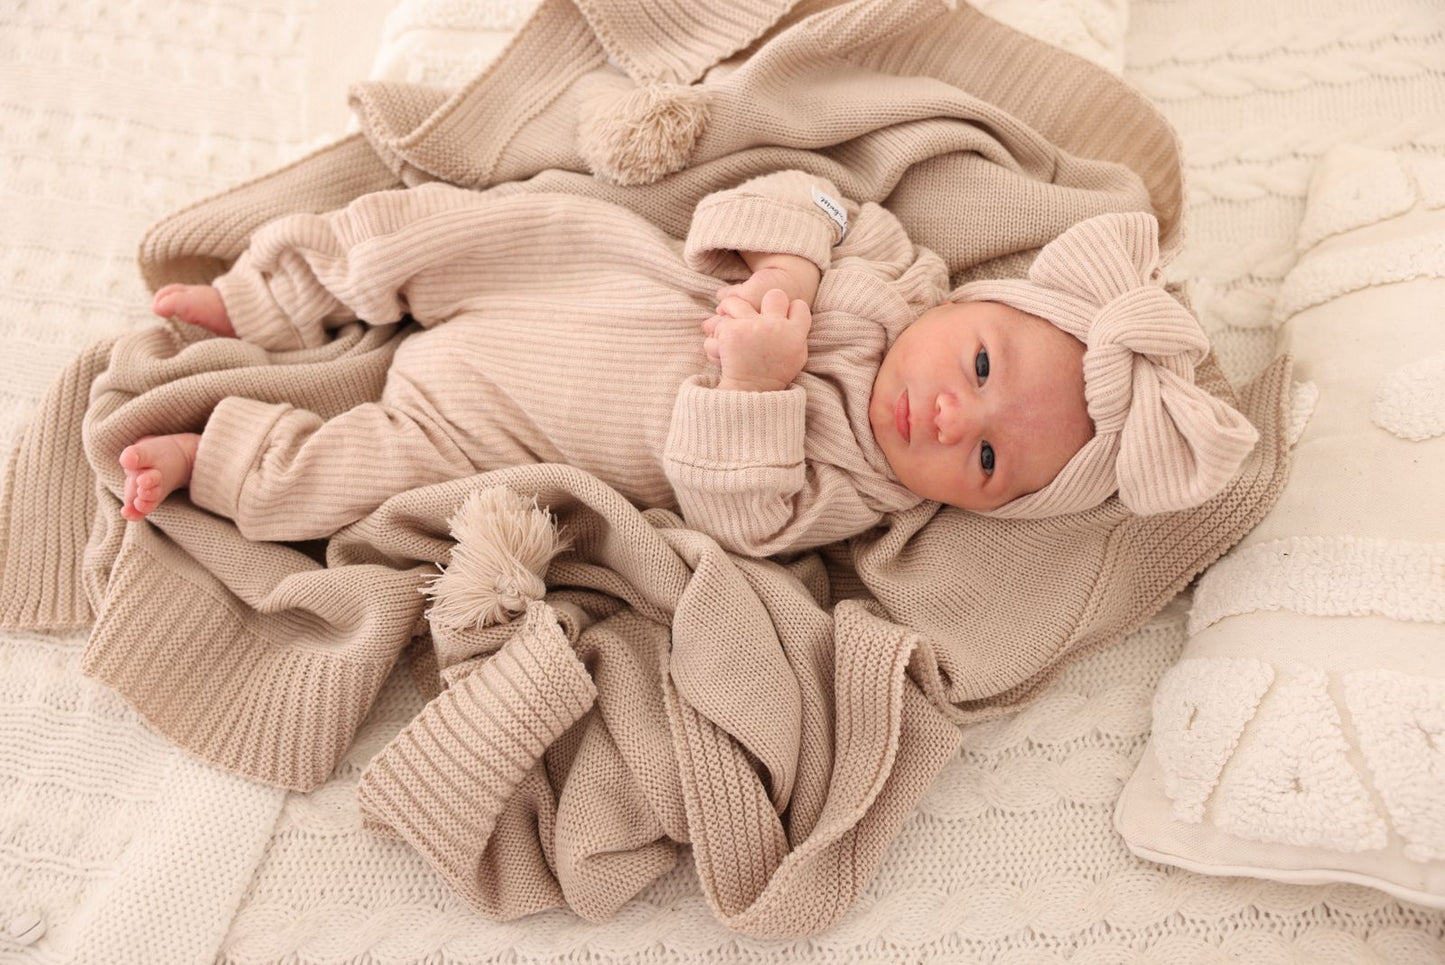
pixel 48 505
pixel 443 782
pixel 276 697
pixel 253 303
pixel 234 438
pixel 718 429
pixel 741 222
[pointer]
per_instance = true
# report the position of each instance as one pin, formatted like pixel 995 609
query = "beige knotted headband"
pixel 1162 442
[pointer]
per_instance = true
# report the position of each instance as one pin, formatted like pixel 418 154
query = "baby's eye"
pixel 985 459
pixel 980 365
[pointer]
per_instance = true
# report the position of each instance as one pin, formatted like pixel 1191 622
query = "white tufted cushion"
pixel 1301 736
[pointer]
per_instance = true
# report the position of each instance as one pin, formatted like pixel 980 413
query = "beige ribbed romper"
pixel 556 328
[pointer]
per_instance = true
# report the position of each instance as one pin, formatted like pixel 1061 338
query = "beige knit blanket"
pixel 781 717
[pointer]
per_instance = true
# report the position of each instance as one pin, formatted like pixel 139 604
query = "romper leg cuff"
pixel 231 444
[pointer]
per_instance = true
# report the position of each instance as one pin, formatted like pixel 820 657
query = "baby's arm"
pixel 777 227
pixel 793 274
pixel 735 454
pixel 738 465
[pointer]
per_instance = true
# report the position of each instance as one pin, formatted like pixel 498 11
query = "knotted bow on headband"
pixel 1160 440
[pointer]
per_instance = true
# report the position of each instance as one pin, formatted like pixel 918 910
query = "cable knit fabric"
pixel 1019 818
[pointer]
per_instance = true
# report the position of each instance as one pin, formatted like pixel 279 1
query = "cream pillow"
pixel 445 43
pixel 1301 736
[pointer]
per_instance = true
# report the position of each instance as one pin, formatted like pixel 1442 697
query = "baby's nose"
pixel 953 419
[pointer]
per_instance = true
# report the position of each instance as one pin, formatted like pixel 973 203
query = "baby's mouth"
pixel 900 416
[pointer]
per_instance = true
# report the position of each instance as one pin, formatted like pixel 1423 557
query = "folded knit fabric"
pixel 781 717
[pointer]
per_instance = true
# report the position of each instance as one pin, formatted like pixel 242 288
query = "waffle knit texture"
pixel 806 706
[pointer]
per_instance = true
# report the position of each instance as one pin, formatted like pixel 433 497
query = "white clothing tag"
pixel 833 210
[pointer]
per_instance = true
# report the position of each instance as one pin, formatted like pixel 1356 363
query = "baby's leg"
pixel 155 467
pixel 282 473
pixel 198 305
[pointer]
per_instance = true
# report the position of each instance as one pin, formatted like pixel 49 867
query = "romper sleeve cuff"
pixel 723 430
pixel 775 213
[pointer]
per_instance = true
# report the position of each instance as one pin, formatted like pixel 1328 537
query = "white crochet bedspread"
pixel 114 847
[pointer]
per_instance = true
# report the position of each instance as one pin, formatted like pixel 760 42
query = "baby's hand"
pixel 795 275
pixel 759 351
pixel 199 305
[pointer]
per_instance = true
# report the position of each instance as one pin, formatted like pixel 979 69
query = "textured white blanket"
pixel 114 112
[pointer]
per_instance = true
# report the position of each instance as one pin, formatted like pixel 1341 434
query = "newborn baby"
pixel 831 384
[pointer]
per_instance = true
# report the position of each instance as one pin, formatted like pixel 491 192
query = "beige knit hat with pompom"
pixel 1162 442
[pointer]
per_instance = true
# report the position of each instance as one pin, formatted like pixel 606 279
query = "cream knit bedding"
pixel 966 879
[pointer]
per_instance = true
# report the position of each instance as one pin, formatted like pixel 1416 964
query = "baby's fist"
pixel 795 275
pixel 759 351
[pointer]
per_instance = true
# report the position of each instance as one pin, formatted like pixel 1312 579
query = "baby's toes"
pixel 186 302
pixel 165 300
pixel 127 503
pixel 134 458
pixel 147 491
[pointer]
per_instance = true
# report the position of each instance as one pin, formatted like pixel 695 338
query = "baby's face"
pixel 978 403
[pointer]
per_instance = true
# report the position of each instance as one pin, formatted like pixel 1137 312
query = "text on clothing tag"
pixel 833 210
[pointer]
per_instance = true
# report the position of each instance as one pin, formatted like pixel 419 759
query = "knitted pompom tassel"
pixel 641 134
pixel 504 545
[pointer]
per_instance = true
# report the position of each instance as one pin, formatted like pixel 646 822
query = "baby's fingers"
pixel 735 307
pixel 775 302
pixel 709 345
pixel 743 290
pixel 799 312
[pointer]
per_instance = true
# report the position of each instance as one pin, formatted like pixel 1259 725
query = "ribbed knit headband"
pixel 1162 442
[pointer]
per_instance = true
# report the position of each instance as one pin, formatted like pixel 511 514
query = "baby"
pixel 833 382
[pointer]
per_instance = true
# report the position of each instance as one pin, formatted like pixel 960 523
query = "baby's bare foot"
pixel 198 305
pixel 154 467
